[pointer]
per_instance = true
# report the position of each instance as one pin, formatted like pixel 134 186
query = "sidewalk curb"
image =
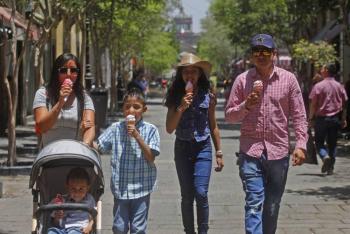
pixel 16 170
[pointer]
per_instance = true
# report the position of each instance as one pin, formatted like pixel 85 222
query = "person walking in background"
pixel 191 112
pixel 264 98
pixel 140 82
pixel 347 89
pixel 63 109
pixel 328 113
pixel 135 145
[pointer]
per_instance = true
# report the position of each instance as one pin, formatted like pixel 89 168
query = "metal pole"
pixel 88 74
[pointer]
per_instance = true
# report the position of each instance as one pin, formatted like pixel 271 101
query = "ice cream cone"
pixel 258 86
pixel 67 82
pixel 130 120
pixel 189 87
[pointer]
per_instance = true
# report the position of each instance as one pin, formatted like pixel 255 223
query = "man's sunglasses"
pixel 264 52
pixel 64 70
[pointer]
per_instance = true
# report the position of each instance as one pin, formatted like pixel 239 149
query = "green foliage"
pixel 130 25
pixel 246 18
pixel 287 21
pixel 159 53
pixel 214 44
pixel 318 53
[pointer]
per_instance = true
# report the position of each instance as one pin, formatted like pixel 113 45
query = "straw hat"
pixel 189 59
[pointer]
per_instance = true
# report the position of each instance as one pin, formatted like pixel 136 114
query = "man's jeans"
pixel 263 183
pixel 193 162
pixel 326 129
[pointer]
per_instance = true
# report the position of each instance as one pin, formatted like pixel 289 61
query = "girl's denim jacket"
pixel 194 122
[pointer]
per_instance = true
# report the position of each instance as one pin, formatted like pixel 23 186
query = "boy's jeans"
pixel 263 182
pixel 133 212
pixel 193 165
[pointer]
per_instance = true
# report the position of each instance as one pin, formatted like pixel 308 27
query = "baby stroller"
pixel 48 177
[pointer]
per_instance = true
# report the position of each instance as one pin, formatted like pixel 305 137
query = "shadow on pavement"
pixel 343 148
pixel 312 174
pixel 230 137
pixel 227 126
pixel 340 193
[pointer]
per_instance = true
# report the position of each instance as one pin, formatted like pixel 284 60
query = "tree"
pixel 287 20
pixel 129 27
pixel 9 78
pixel 318 53
pixel 215 46
pixel 159 54
pixel 308 55
pixel 245 18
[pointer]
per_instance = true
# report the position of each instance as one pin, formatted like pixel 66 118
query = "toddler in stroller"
pixel 72 168
pixel 74 221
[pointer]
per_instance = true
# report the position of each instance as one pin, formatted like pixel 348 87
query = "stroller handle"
pixel 67 206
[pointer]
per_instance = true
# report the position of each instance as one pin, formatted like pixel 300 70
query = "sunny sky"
pixel 197 9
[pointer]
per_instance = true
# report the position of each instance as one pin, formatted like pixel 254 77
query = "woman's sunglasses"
pixel 72 70
pixel 264 52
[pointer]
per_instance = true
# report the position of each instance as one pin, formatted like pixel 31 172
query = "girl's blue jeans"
pixel 263 183
pixel 193 162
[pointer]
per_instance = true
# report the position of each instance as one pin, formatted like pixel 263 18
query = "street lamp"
pixel 29 9
pixel 88 75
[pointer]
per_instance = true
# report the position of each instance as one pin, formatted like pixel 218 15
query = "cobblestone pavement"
pixel 312 203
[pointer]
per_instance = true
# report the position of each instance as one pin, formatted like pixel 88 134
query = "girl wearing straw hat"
pixel 191 113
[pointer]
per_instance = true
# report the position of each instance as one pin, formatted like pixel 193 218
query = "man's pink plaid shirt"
pixel 266 125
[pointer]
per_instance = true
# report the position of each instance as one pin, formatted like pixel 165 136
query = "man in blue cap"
pixel 264 99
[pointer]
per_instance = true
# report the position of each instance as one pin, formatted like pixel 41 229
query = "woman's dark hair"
pixel 135 92
pixel 177 88
pixel 53 87
pixel 78 173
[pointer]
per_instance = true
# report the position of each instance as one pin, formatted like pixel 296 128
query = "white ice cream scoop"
pixel 130 119
pixel 258 86
pixel 67 82
pixel 189 87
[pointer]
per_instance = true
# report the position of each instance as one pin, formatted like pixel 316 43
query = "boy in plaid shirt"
pixel 135 144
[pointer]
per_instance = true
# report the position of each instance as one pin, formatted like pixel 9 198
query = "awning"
pixel 329 31
pixel 20 22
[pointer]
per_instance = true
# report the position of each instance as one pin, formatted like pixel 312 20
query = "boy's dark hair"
pixel 134 92
pixel 78 173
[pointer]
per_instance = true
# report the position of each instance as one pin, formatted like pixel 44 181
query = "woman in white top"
pixel 62 109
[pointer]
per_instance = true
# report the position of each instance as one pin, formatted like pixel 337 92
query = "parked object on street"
pixel 48 178
pixel 311 154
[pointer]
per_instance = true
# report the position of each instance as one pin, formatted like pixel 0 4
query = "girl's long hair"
pixel 53 87
pixel 177 88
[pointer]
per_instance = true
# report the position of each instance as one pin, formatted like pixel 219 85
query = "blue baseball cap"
pixel 263 40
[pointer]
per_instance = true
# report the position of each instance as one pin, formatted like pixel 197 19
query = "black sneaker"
pixel 330 172
pixel 326 164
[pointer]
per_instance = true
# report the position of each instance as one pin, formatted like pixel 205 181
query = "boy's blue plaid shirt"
pixel 132 175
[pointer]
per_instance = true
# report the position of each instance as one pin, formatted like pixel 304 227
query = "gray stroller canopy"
pixel 66 152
